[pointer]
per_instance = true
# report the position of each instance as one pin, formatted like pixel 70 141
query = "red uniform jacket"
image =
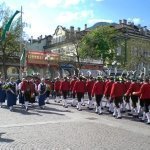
pixel 108 87
pixel 57 85
pixel 72 83
pixel 79 87
pixel 144 91
pixel 64 86
pixel 117 90
pixel 89 86
pixel 134 87
pixel 28 86
pixel 98 88
pixel 127 85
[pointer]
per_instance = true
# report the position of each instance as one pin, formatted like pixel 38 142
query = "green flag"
pixel 7 26
pixel 22 58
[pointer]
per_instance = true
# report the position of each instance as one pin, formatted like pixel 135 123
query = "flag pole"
pixel 20 72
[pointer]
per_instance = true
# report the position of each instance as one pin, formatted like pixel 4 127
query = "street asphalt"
pixel 59 128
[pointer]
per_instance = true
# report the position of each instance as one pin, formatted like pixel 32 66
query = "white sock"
pixel 115 111
pixel 26 104
pixel 118 111
pixel 148 117
pixel 144 115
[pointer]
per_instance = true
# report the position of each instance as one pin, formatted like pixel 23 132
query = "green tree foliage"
pixel 99 43
pixel 11 45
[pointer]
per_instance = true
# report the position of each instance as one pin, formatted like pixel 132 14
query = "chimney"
pixel 72 29
pixel 85 26
pixel 120 21
pixel 124 21
pixel 78 29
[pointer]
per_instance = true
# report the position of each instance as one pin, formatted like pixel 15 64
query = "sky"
pixel 43 16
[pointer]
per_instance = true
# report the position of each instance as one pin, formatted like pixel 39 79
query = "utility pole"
pixel 21 42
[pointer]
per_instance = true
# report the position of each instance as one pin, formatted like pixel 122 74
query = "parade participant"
pixel 57 88
pixel 89 86
pixel 21 96
pixel 72 83
pixel 26 89
pixel 144 94
pixel 2 92
pixel 107 91
pixel 79 89
pixel 42 93
pixel 84 79
pixel 98 91
pixel 127 97
pixel 11 93
pixel 48 89
pixel 33 91
pixel 122 105
pixel 116 94
pixel 134 87
pixel 64 88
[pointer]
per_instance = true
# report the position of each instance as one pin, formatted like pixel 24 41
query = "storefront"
pixel 44 64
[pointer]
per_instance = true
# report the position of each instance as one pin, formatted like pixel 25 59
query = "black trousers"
pixel 57 93
pixel 134 99
pixel 27 96
pixel 98 99
pixel 89 96
pixel 79 96
pixel 65 93
pixel 141 103
pixel 146 105
pixel 73 95
pixel 127 99
pixel 117 101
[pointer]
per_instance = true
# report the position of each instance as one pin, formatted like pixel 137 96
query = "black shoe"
pixel 148 123
pixel 118 117
pixel 26 109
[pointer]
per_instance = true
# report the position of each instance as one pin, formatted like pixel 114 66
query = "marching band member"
pixel 26 89
pixel 57 88
pixel 134 87
pixel 2 92
pixel 116 94
pixel 11 94
pixel 64 88
pixel 89 86
pixel 79 89
pixel 107 91
pixel 42 93
pixel 33 92
pixel 21 96
pixel 98 91
pixel 144 94
pixel 48 89
pixel 72 83
pixel 127 97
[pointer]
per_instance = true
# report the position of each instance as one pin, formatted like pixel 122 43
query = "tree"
pixel 99 43
pixel 11 43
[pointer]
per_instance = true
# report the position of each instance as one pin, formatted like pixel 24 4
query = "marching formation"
pixel 120 94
